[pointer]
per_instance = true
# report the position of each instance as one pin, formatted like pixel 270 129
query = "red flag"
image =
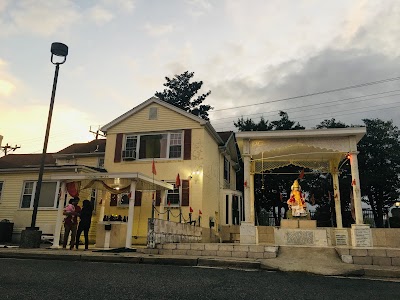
pixel 153 168
pixel 190 209
pixel 200 213
pixel 169 203
pixel 301 174
pixel 177 181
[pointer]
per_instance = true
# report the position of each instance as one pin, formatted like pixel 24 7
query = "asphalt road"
pixel 50 279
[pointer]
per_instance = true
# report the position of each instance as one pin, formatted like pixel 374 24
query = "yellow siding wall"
pixel 139 122
pixel 211 180
pixel 11 198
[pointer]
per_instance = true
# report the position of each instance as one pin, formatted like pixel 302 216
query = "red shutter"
pixel 118 147
pixel 138 198
pixel 158 198
pixel 185 193
pixel 187 144
pixel 113 200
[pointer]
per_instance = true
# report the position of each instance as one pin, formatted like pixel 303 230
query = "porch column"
pixel 128 243
pixel 103 205
pixel 336 196
pixel 57 229
pixel 355 182
pixel 162 204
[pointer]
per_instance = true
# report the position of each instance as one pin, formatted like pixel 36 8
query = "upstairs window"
pixel 146 146
pixel 226 169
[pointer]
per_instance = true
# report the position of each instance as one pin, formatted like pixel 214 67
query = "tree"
pixel 331 124
pixel 285 124
pixel 379 166
pixel 181 92
pixel 264 125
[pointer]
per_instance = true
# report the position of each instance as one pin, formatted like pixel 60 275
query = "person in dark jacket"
pixel 84 224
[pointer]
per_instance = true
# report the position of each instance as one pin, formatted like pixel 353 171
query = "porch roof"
pixel 143 182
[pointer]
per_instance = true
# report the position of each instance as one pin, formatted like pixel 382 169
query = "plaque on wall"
pixel 361 236
pixel 341 238
pixel 303 237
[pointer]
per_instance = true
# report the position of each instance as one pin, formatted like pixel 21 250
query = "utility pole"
pixel 7 148
pixel 97 133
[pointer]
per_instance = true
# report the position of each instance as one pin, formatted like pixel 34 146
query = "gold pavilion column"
pixel 248 231
pixel 361 235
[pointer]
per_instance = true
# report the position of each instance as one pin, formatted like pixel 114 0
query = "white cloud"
pixel 100 15
pixel 122 5
pixel 198 8
pixel 7 81
pixel 26 126
pixel 42 17
pixel 159 30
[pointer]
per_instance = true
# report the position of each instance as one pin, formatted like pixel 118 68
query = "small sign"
pixel 341 238
pixel 362 237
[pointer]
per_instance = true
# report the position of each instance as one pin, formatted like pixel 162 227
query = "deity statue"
pixel 296 201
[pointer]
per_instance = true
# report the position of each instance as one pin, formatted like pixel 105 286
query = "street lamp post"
pixel 30 238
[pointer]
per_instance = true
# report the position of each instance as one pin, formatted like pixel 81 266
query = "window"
pixel 226 169
pixel 153 113
pixel 1 188
pixel 48 194
pixel 100 163
pixel 146 146
pixel 174 196
pixel 123 199
pixel 130 148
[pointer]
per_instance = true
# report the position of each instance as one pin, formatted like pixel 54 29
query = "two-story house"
pixel 155 154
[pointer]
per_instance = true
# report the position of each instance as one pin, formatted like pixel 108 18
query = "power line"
pixel 321 105
pixel 313 94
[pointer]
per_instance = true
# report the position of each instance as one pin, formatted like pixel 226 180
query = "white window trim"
pixel 33 195
pixel 138 135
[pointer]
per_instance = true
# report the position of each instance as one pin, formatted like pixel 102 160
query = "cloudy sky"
pixel 248 53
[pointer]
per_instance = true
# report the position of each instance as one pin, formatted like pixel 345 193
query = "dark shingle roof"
pixel 22 160
pixel 84 148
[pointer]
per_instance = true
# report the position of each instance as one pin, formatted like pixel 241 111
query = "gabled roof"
pixel 12 161
pixel 228 137
pixel 147 103
pixel 152 100
pixel 79 149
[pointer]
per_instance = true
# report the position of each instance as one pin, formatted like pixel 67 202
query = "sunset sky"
pixel 246 52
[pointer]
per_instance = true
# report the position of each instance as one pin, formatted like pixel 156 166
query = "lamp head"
pixel 59 49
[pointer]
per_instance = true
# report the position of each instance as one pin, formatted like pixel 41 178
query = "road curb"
pixel 212 262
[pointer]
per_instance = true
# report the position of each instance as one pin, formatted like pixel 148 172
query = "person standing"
pixel 84 223
pixel 71 222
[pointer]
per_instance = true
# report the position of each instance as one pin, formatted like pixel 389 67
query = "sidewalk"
pixel 314 262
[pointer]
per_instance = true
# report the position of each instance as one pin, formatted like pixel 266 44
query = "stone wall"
pixel 173 232
pixel 370 256
pixel 221 250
